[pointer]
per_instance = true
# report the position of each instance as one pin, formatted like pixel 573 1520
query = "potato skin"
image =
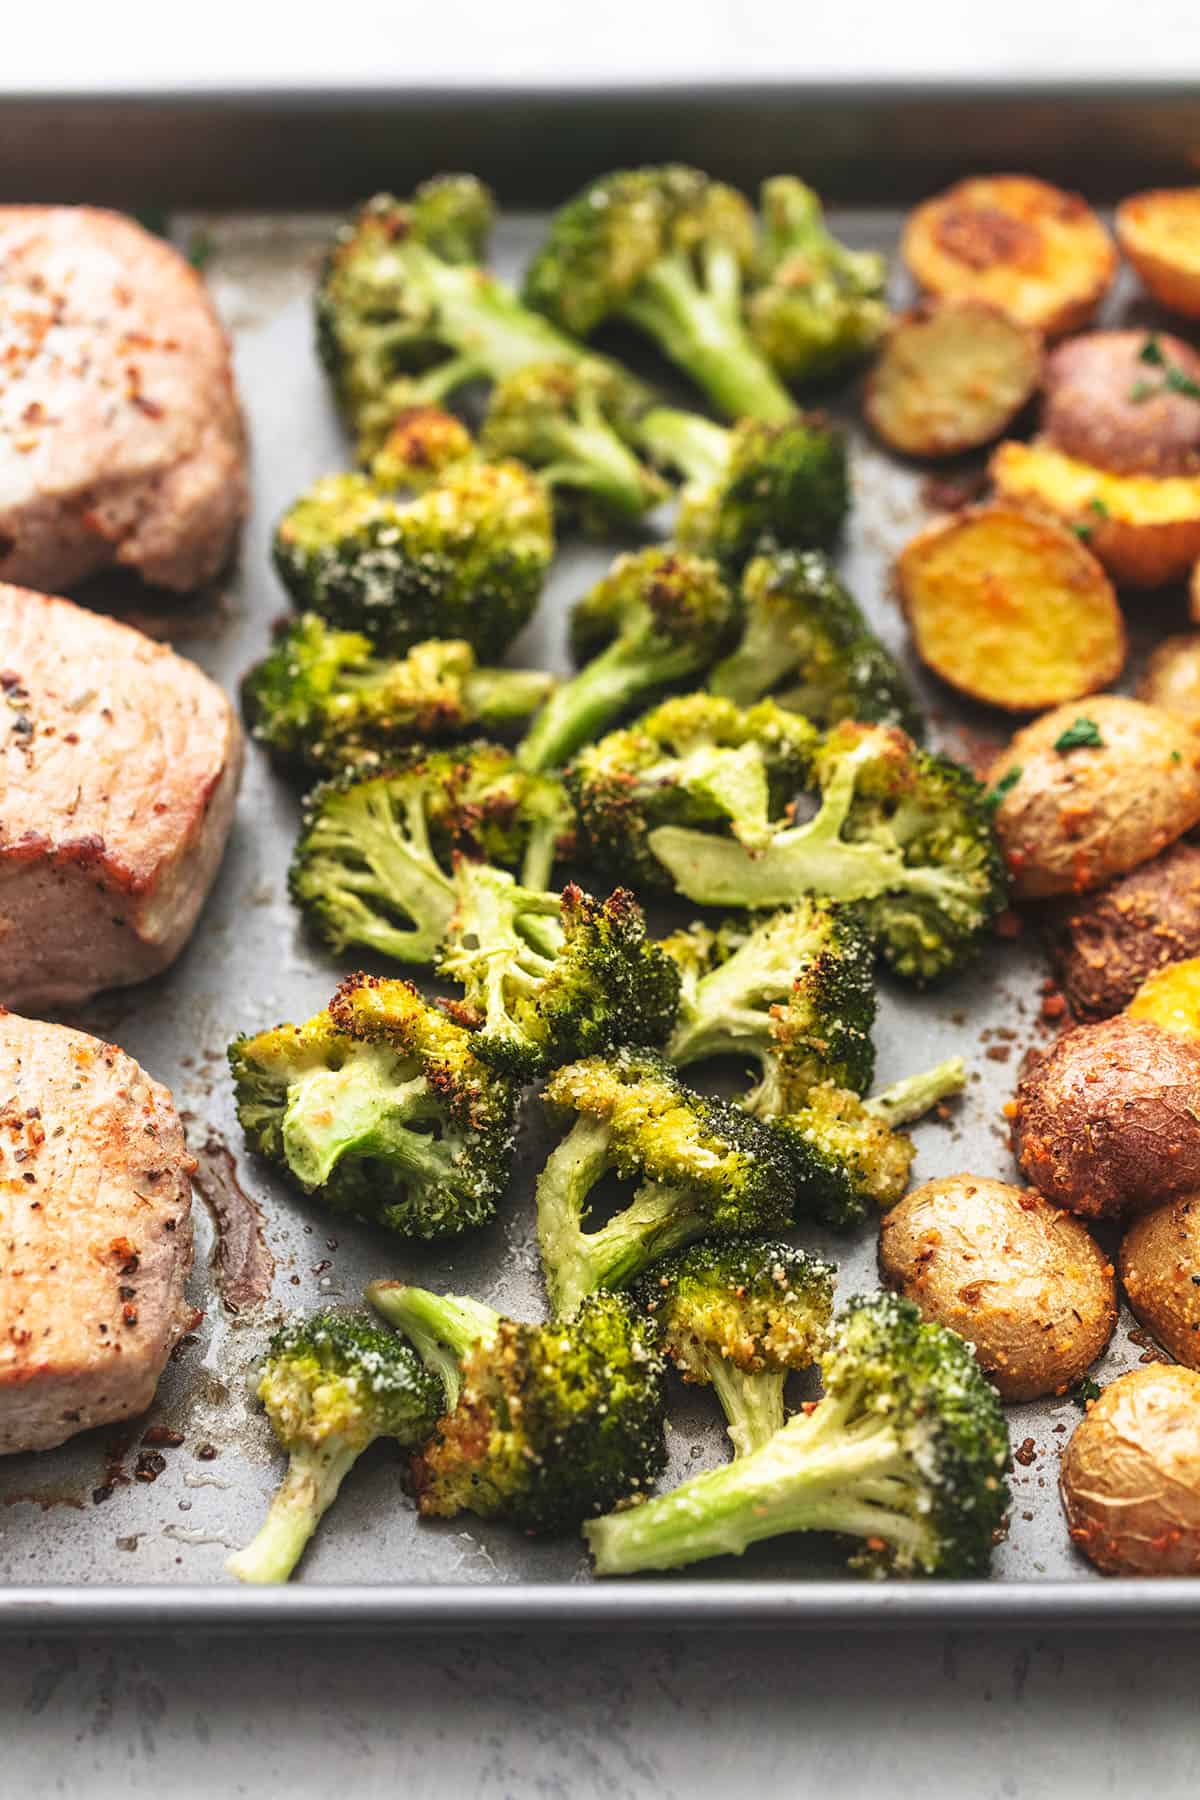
pixel 1160 1272
pixel 1171 678
pixel 1010 608
pixel 1130 1476
pixel 952 374
pixel 1145 529
pixel 1072 820
pixel 1108 1121
pixel 1104 948
pixel 1194 595
pixel 1038 253
pixel 1159 231
pixel 1089 411
pixel 1020 1279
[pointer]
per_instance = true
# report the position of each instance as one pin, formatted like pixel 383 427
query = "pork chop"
pixel 95 1233
pixel 119 767
pixel 121 439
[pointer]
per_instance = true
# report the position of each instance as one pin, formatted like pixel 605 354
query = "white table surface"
pixel 964 1717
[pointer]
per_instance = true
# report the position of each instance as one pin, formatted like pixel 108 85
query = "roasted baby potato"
pixel 1039 254
pixel 1131 1474
pixel 1091 790
pixel 1159 232
pixel 1021 1280
pixel 1172 677
pixel 1108 1121
pixel 1104 947
pixel 1011 608
pixel 1194 595
pixel 1160 1271
pixel 951 375
pixel 1145 529
pixel 1125 401
pixel 1170 998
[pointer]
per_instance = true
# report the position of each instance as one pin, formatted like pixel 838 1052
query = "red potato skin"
pixel 1104 947
pixel 1089 411
pixel 1108 1122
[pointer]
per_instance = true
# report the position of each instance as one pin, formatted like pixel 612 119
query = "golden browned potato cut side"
pixel 1159 232
pixel 1039 254
pixel 1160 1271
pixel 951 376
pixel 1011 609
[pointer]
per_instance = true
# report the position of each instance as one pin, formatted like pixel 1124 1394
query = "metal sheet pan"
pixel 81 1549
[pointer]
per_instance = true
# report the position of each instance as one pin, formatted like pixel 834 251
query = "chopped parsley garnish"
pixel 1084 734
pixel 202 249
pixel 1084 1392
pixel 1151 351
pixel 1174 379
pixel 1083 533
pixel 1096 505
pixel 995 795
pixel 1181 383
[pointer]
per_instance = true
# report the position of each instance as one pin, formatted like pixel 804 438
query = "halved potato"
pixel 1194 595
pixel 1159 232
pixel 1172 677
pixel 1125 401
pixel 1011 608
pixel 1145 529
pixel 1160 1268
pixel 1170 998
pixel 1039 254
pixel 951 375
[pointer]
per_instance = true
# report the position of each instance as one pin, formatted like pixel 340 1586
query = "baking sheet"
pixel 84 1536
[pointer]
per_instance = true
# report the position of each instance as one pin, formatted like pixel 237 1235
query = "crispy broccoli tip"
pixel 668 251
pixel 903 834
pixel 905 1454
pixel 656 620
pixel 815 306
pixel 379 1108
pixel 405 312
pixel 739 1315
pixel 704 1168
pixel 323 700
pixel 549 978
pixel 549 1424
pixel 573 423
pixel 442 1328
pixel 754 486
pixel 466 558
pixel 805 641
pixel 331 1385
pixel 799 986
pixel 423 442
pixel 695 761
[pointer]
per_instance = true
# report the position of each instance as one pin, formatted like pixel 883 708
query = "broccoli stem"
pixel 752 1401
pixel 577 1262
pixel 485 322
pixel 498 696
pixel 821 1472
pixel 581 708
pixel 685 441
pixel 358 1111
pixel 813 858
pixel 916 1095
pixel 592 458
pixel 442 1328
pixel 765 654
pixel 304 1496
pixel 703 333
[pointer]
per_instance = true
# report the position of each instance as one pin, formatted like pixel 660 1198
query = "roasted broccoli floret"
pixel 573 423
pixel 803 978
pixel 405 314
pixel 816 306
pixel 465 559
pixel 668 251
pixel 657 619
pixel 553 977
pixel 694 761
pixel 905 835
pixel 805 641
pixel 372 865
pixel 423 444
pixel 321 699
pixel 738 1315
pixel 331 1384
pixel 378 1106
pixel 705 1168
pixel 905 1453
pixel 751 486
pixel 547 1425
